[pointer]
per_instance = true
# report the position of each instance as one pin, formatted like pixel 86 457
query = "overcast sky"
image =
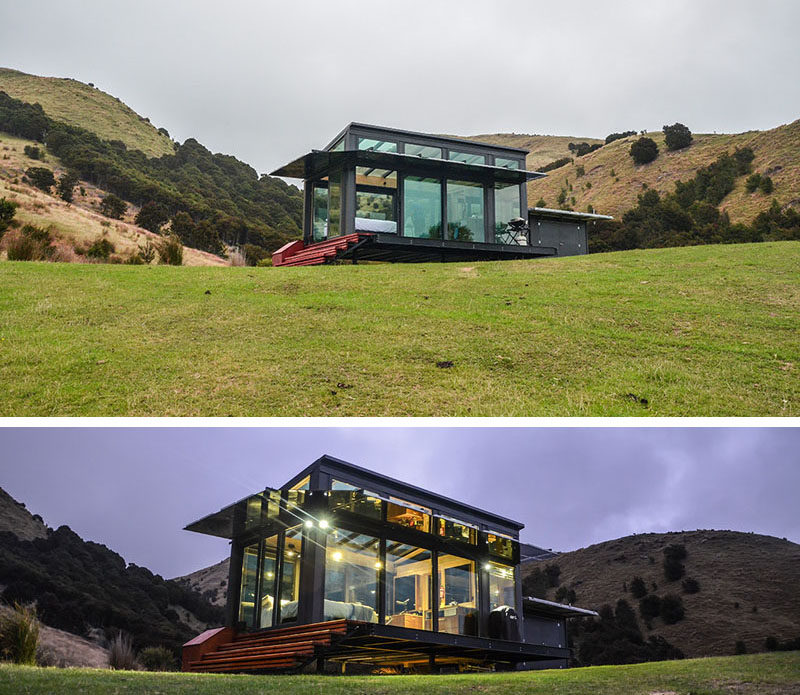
pixel 268 81
pixel 135 489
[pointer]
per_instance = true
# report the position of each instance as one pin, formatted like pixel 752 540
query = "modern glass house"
pixel 342 564
pixel 377 193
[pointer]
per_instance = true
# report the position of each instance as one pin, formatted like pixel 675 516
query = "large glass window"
pixel 424 151
pixel 376 199
pixel 347 497
pixel 290 574
pixel 500 545
pixel 502 586
pixel 507 206
pixel 339 146
pixel 352 564
pixel 408 515
pixel 422 207
pixel 506 163
pixel 334 204
pixel 409 586
pixel 269 568
pixel 458 595
pixel 455 530
pixel 319 219
pixel 464 211
pixel 261 508
pixel 467 157
pixel 249 585
pixel 376 145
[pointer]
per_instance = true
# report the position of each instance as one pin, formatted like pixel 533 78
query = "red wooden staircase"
pixel 296 253
pixel 281 649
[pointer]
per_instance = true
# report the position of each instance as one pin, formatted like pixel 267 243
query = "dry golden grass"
pixel 79 223
pixel 79 104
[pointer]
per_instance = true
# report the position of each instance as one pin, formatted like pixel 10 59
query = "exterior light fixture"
pixel 323 523
pixel 309 523
pixel 378 565
pixel 487 566
pixel 337 556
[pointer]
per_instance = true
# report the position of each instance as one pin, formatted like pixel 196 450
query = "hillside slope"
pixel 211 582
pixel 79 104
pixel 748 585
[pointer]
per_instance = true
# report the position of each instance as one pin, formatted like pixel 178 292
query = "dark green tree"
pixel 66 185
pixel 7 211
pixel 677 136
pixel 152 216
pixel 41 177
pixel 650 606
pixel 766 185
pixel 672 609
pixel 638 588
pixel 113 207
pixel 644 150
pixel 752 183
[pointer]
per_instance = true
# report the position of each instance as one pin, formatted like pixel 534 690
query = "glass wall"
pixel 269 568
pixel 454 530
pixel 290 575
pixel 458 595
pixel 334 204
pixel 424 151
pixel 506 163
pixel 249 585
pixel 319 214
pixel 507 206
pixel 500 545
pixel 422 207
pixel 409 586
pixel 465 211
pixel 349 498
pixel 502 586
pixel 467 157
pixel 376 195
pixel 408 515
pixel 376 145
pixel 352 564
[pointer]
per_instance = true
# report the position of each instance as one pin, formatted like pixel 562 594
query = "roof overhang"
pixel 567 214
pixel 551 609
pixel 318 163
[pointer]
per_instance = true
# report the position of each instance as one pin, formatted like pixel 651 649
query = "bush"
pixel 66 186
pixel 113 207
pixel 158 659
pixel 33 152
pixel 101 249
pixel 170 250
pixel 650 607
pixel 147 252
pixel 771 644
pixel 766 185
pixel 644 150
pixel 690 586
pixel 19 635
pixel 638 588
pixel 677 136
pixel 619 136
pixel 152 216
pixel 580 170
pixel 744 157
pixel 31 244
pixel 672 609
pixel 752 183
pixel 7 212
pixel 673 565
pixel 121 656
pixel 740 647
pixel 557 164
pixel 41 177
pixel 253 254
pixel 582 148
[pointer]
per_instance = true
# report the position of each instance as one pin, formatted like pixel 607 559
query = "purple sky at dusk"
pixel 135 489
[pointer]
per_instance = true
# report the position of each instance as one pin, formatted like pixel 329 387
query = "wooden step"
pixel 272 665
pixel 292 630
pixel 275 656
pixel 268 649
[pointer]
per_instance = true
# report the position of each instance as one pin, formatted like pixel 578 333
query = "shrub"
pixel 690 586
pixel 265 262
pixel 740 647
pixel 638 587
pixel 66 186
pixel 113 207
pixel 677 136
pixel 41 177
pixel 619 136
pixel 771 643
pixel 253 254
pixel 147 252
pixel 766 185
pixel 7 212
pixel 582 148
pixel 644 150
pixel 152 216
pixel 31 244
pixel 672 609
pixel 557 164
pixel 580 170
pixel 541 203
pixel 564 594
pixel 120 653
pixel 102 249
pixel 19 634
pixel 553 573
pixel 673 565
pixel 158 659
pixel 170 250
pixel 650 607
pixel 752 183
pixel 744 157
pixel 33 152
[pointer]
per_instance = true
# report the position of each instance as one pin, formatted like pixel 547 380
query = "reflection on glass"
pixel 408 515
pixel 339 146
pixel 458 595
pixel 376 145
pixel 408 586
pixel 334 204
pixel 454 530
pixel 375 199
pixel 248 587
pixel 506 163
pixel 319 202
pixel 344 496
pixel 500 545
pixel 269 565
pixel 464 211
pixel 507 206
pixel 467 157
pixel 502 586
pixel 424 151
pixel 422 208
pixel 260 508
pixel 290 574
pixel 352 563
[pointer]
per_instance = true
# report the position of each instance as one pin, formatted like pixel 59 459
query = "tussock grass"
pixel 706 330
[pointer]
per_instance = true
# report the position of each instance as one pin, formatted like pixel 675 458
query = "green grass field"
pixel 765 674
pixel 707 330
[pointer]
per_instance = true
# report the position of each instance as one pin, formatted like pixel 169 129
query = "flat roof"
pixel 539 606
pixel 552 212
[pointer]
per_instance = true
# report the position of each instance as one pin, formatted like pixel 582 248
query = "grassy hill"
pixel 763 674
pixel 709 330
pixel 210 581
pixel 81 105
pixel 777 153
pixel 747 584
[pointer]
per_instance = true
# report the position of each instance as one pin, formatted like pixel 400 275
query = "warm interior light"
pixel 290 553
pixel 378 565
pixel 323 523
pixel 309 523
pixel 487 567
pixel 337 556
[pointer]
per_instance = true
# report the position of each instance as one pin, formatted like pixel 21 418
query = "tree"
pixel 113 207
pixel 638 588
pixel 619 136
pixel 41 177
pixel 650 606
pixel 766 185
pixel 752 183
pixel 677 136
pixel 644 150
pixel 66 185
pixel 170 250
pixel 7 212
pixel 673 562
pixel 672 609
pixel 152 216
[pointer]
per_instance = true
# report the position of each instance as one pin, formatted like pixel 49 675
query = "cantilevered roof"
pixel 538 606
pixel 318 163
pixel 569 214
